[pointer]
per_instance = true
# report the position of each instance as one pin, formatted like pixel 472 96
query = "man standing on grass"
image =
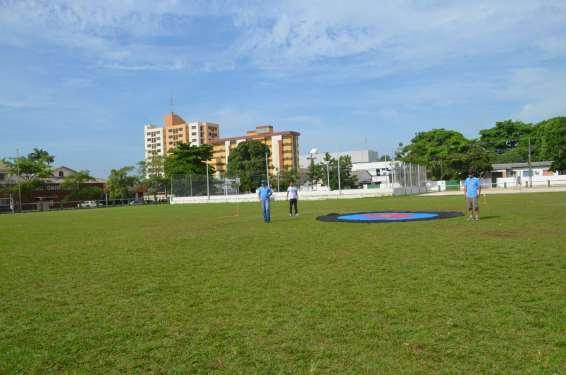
pixel 472 189
pixel 292 197
pixel 264 194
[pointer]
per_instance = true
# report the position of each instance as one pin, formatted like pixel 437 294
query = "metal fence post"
pixel 405 178
pixel 339 182
pixel 226 189
pixel 419 177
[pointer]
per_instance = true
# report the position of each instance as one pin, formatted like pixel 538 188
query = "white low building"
pixel 519 174
pixel 357 156
pixel 521 170
pixel 378 170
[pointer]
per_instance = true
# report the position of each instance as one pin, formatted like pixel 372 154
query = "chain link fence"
pixel 51 205
pixel 6 205
pixel 192 185
pixel 409 177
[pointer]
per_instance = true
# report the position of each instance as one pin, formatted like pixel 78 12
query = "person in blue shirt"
pixel 472 189
pixel 264 194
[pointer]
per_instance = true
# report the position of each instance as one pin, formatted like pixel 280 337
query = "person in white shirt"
pixel 293 197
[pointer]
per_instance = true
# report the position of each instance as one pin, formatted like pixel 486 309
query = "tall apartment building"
pixel 154 141
pixel 203 132
pixel 159 141
pixel 284 147
pixel 175 131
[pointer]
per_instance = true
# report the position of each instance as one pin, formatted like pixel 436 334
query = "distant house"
pixel 51 188
pixel 521 170
pixel 363 177
pixel 62 172
pixel 517 174
pixel 379 171
pixel 4 173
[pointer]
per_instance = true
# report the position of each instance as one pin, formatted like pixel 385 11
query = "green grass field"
pixel 191 289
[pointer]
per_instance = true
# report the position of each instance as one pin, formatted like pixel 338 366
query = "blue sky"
pixel 81 78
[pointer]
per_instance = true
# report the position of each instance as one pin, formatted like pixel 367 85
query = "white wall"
pixel 303 195
pixel 557 180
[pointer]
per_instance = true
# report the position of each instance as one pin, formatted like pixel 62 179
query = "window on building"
pixel 61 174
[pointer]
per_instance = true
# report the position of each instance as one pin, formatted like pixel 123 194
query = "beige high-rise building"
pixel 159 141
pixel 202 133
pixel 284 148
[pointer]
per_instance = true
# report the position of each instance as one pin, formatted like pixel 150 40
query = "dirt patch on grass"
pixel 504 233
pixel 521 233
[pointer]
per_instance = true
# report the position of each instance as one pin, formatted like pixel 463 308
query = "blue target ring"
pixel 389 216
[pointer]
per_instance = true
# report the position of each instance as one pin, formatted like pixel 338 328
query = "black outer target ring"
pixel 334 217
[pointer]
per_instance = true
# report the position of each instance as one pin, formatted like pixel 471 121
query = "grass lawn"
pixel 191 289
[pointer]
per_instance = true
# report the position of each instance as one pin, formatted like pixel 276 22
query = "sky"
pixel 81 78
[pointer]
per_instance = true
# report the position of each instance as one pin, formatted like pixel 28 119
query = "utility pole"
pixel 530 167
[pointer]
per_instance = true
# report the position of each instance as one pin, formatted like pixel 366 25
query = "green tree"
pixel 474 157
pixel 549 142
pixel 288 175
pixel 153 166
pixel 442 151
pixel 188 159
pixel 31 169
pixel 85 193
pixel 507 141
pixel 120 181
pixel 328 169
pixel 73 182
pixel 35 165
pixel 76 184
pixel 151 176
pixel 247 161
pixel 315 172
pixel 385 157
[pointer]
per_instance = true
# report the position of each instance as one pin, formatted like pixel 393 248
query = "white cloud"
pixel 397 34
pixel 113 34
pixel 339 37
pixel 540 92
